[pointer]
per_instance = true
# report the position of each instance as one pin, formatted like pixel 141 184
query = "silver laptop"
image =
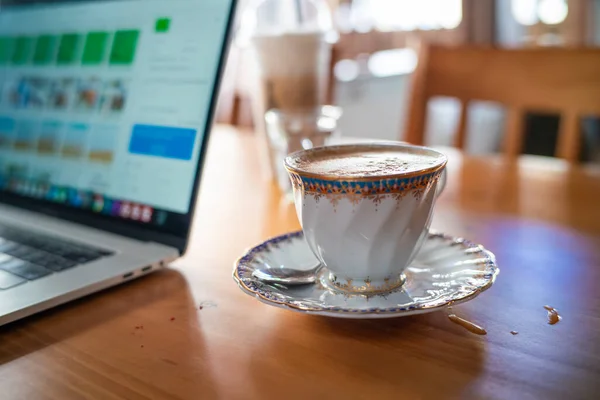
pixel 105 110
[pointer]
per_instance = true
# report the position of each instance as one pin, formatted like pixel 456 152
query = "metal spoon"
pixel 287 276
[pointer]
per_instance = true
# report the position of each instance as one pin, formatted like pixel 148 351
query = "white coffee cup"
pixel 365 209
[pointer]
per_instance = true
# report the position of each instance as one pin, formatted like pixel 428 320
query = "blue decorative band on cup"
pixel 355 191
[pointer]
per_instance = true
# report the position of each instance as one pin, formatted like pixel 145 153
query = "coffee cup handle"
pixel 441 184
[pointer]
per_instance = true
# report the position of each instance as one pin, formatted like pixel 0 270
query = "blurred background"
pixel 375 52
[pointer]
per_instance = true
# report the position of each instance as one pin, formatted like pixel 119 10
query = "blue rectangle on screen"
pixel 162 141
pixel 7 124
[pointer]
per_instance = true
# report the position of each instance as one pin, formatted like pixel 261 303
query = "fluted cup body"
pixel 366 229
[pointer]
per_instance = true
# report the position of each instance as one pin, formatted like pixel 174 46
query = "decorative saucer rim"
pixel 491 274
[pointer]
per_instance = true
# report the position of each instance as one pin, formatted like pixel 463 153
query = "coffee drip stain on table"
pixel 553 316
pixel 468 325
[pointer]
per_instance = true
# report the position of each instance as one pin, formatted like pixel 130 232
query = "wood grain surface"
pixel 189 333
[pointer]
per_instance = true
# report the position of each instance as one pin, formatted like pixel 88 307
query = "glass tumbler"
pixel 290 131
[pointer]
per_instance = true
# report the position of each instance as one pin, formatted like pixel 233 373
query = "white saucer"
pixel 446 271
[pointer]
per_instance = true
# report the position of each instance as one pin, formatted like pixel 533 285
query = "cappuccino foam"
pixel 366 162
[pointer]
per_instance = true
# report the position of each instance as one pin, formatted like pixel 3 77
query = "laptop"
pixel 105 111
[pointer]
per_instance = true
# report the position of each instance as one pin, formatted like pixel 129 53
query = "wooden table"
pixel 190 333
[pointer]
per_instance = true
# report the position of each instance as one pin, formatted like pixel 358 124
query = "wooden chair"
pixel 563 81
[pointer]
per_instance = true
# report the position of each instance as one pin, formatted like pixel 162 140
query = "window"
pixel 530 12
pixel 399 15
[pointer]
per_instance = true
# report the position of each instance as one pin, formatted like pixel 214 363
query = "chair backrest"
pixel 562 81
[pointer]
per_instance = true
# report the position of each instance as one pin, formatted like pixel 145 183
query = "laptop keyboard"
pixel 26 256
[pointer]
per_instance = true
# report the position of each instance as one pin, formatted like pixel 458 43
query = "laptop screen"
pixel 104 104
